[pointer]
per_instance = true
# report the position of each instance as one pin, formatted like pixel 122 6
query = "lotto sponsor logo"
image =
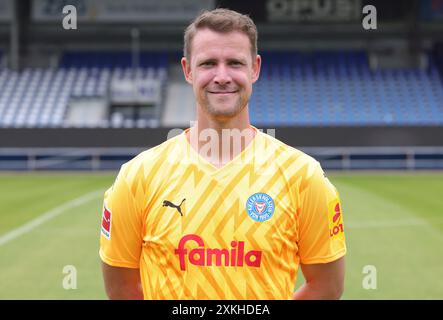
pixel 335 219
pixel 235 256
pixel 106 223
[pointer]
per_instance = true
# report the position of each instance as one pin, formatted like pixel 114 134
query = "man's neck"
pixel 220 141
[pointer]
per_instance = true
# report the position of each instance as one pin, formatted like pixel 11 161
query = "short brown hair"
pixel 224 21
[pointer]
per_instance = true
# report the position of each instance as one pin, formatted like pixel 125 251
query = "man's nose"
pixel 222 76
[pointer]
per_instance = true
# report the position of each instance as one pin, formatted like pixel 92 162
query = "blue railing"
pixel 336 158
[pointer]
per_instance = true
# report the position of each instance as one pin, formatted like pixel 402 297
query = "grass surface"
pixel 392 222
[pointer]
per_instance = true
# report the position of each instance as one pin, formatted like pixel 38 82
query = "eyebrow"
pixel 229 60
pixel 206 60
pixel 241 60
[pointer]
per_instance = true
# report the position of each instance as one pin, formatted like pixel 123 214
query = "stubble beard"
pixel 220 112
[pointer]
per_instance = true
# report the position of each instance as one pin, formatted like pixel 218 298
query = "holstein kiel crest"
pixel 260 207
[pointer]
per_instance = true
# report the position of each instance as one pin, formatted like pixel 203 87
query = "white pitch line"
pixel 392 223
pixel 386 223
pixel 48 215
pixel 398 223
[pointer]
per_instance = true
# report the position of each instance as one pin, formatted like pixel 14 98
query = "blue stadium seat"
pixel 339 88
pixel 316 89
pixel 40 97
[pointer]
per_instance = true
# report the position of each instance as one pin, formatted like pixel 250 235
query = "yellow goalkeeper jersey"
pixel 196 231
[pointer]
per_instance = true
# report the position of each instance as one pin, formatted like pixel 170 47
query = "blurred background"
pixel 75 104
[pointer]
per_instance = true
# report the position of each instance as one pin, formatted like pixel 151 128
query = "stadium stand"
pixel 107 59
pixel 315 89
pixel 339 88
pixel 40 97
pixel 438 57
pixel 179 103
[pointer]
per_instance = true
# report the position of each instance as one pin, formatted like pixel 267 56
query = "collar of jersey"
pixel 211 169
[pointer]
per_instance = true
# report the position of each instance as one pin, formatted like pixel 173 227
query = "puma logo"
pixel 167 203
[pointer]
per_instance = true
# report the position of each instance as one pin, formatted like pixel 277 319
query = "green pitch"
pixel 392 222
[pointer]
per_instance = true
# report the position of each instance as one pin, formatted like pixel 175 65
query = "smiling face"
pixel 221 70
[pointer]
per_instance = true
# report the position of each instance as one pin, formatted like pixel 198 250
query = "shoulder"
pixel 291 158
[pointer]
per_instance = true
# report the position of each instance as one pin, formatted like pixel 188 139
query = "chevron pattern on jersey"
pixel 218 249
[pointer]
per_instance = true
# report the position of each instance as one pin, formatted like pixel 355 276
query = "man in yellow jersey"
pixel 222 211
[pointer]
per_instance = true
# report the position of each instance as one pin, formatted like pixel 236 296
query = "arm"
pixel 323 281
pixel 122 283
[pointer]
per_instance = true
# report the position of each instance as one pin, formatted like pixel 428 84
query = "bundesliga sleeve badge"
pixel 106 223
pixel 260 207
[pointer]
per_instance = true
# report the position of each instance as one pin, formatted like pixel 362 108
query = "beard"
pixel 222 107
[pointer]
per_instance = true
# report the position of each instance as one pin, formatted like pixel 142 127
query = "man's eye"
pixel 236 63
pixel 207 63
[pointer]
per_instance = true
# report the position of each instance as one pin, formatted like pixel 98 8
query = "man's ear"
pixel 256 65
pixel 186 66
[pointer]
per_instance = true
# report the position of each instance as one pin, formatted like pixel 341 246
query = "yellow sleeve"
pixel 121 240
pixel 320 220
